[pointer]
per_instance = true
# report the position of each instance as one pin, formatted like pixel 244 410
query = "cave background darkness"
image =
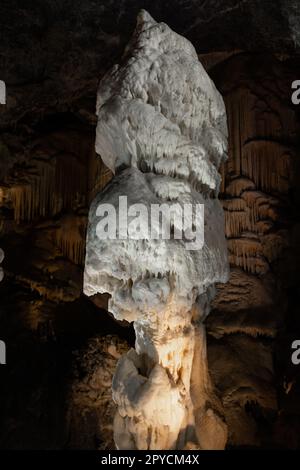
pixel 61 347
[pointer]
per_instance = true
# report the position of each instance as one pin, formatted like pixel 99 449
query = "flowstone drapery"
pixel 162 131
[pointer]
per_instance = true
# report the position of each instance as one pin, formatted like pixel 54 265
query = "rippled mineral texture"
pixel 162 131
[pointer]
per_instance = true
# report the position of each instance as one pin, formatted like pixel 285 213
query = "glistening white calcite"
pixel 162 131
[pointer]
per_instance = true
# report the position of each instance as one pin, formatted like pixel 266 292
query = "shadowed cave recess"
pixel 63 347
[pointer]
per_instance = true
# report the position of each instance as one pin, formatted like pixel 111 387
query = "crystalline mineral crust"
pixel 1 269
pixel 162 131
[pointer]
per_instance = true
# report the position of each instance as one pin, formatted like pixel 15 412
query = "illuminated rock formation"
pixel 49 175
pixel 257 179
pixel 162 132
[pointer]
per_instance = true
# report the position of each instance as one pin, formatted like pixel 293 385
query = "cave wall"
pixel 260 204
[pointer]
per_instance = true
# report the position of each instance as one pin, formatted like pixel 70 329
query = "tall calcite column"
pixel 162 132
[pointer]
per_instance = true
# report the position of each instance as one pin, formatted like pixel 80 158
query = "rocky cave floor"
pixel 62 347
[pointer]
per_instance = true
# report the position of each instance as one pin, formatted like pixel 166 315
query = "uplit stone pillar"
pixel 162 131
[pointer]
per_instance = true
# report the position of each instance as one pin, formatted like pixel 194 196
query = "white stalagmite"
pixel 162 131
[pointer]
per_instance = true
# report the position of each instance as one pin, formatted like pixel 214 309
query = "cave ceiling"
pixel 52 53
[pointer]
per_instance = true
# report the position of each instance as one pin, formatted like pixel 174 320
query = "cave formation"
pixel 63 346
pixel 162 131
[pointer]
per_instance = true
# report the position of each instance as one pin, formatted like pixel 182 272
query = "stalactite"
pixel 236 204
pixel 236 217
pixel 99 175
pixel 36 196
pixel 237 186
pixel 69 237
pixel 257 162
pixel 240 125
pixel 71 181
pixel 254 129
pixel 268 165
pixel 262 206
pixel 253 212
pixel 236 223
pixel 4 195
pixel 55 185
pixel 247 253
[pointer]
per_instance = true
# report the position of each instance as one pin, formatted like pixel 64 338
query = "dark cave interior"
pixel 62 346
